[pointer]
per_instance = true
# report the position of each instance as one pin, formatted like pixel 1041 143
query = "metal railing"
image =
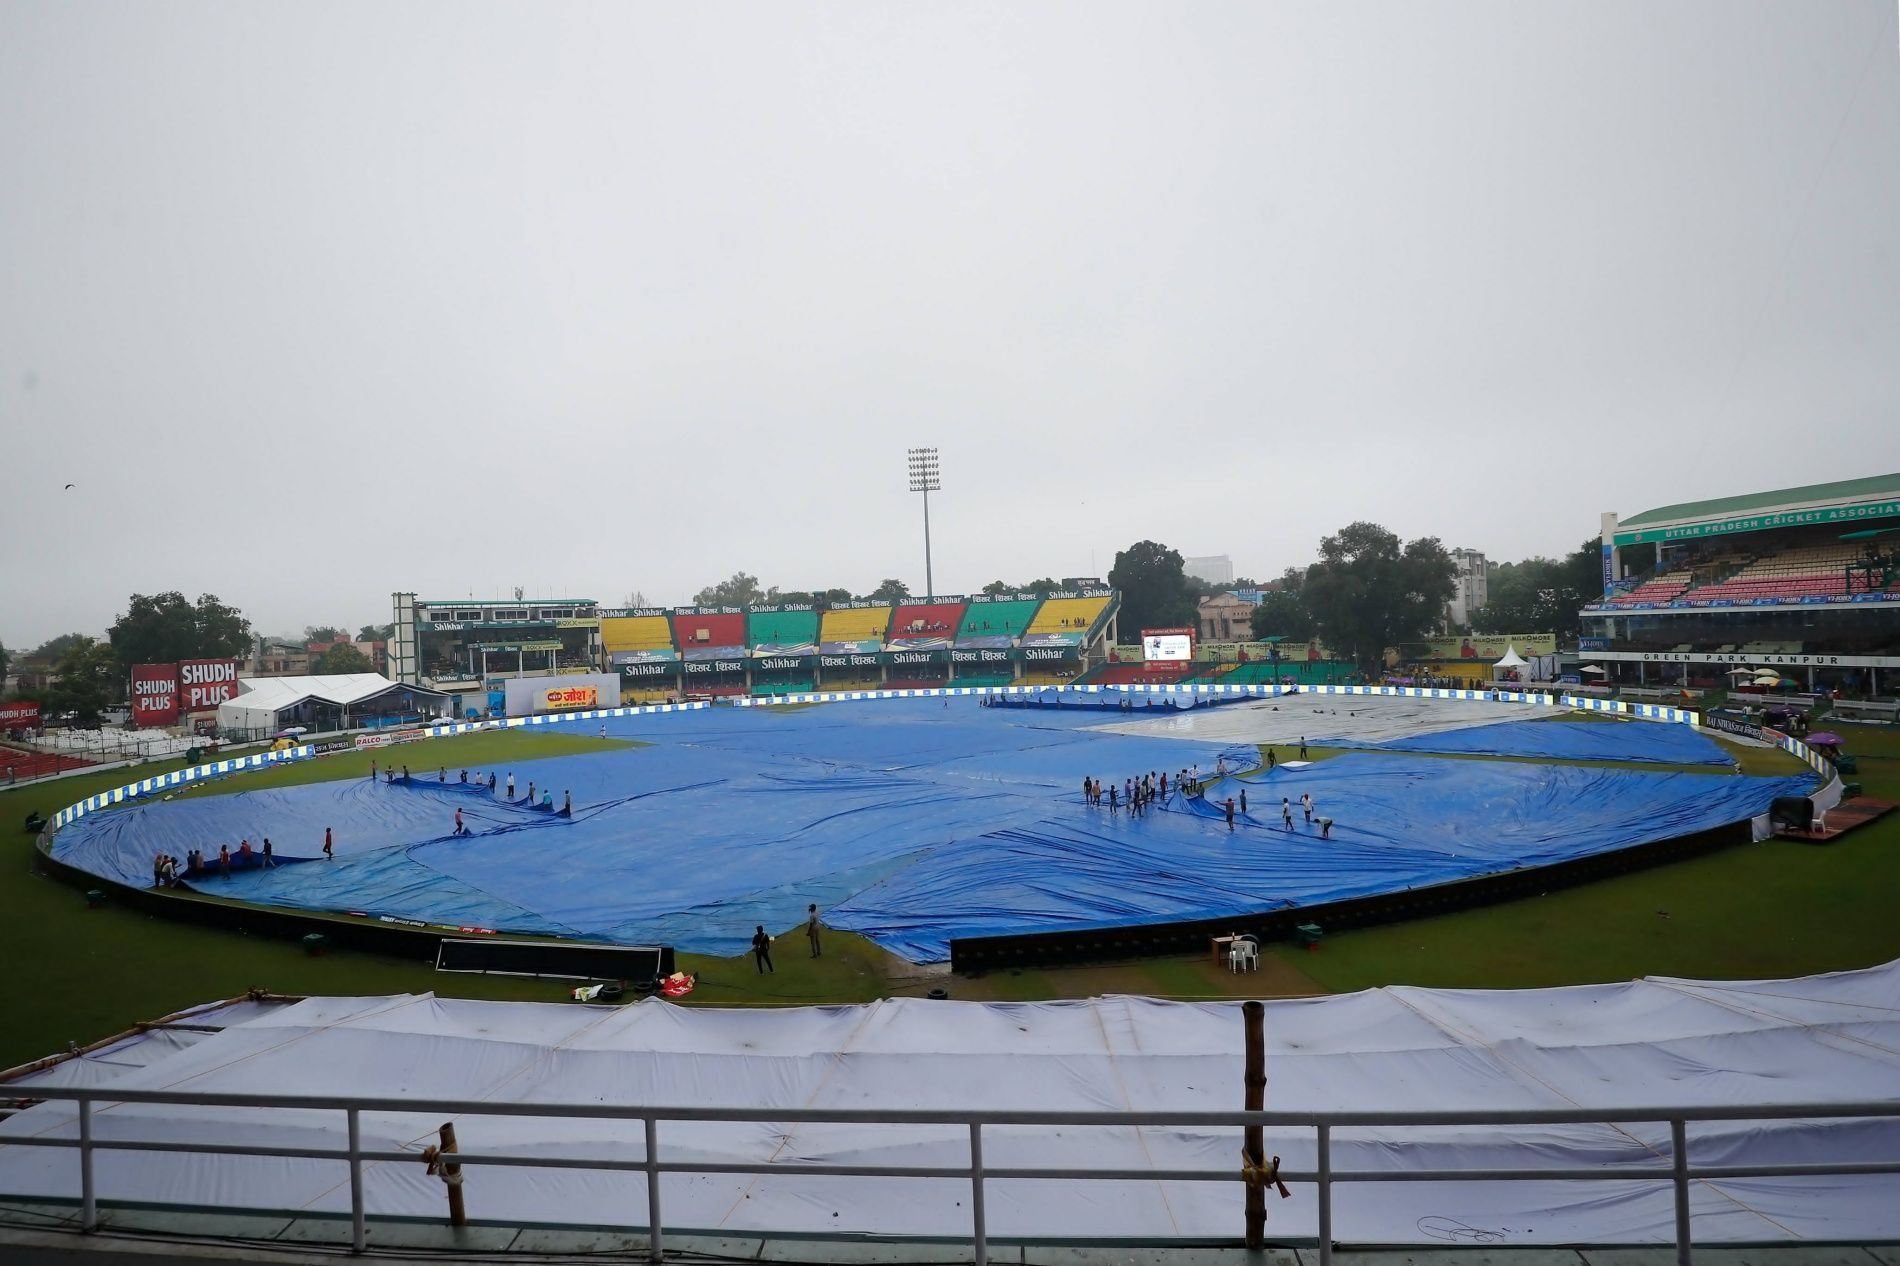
pixel 1676 1169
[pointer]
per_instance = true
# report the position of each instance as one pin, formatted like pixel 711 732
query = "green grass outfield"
pixel 1771 909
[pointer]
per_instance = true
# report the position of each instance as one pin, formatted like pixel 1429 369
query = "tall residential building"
pixel 1470 587
pixel 1215 569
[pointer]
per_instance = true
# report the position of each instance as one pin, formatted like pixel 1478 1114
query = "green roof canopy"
pixel 1846 501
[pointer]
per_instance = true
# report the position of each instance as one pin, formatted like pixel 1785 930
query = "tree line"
pixel 1366 591
pixel 86 676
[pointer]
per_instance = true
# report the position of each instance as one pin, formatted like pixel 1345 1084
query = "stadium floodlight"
pixel 924 478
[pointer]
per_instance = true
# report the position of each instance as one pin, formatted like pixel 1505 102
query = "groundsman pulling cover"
pixel 1654 1042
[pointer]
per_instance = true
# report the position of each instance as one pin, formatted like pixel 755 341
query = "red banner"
pixel 206 683
pixel 154 695
pixel 19 716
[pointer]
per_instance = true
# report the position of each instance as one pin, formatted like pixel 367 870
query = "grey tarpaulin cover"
pixel 1659 1041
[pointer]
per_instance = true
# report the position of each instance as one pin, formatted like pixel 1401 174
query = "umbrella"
pixel 1824 739
pixel 1741 672
pixel 1592 668
pixel 1767 679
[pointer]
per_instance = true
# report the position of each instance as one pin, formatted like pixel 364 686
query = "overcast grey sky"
pixel 315 302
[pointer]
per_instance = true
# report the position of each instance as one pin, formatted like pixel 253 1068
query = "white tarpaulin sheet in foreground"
pixel 1833 1038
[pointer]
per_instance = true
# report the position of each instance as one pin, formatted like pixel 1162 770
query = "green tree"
pixel 1541 595
pixel 1369 591
pixel 1047 584
pixel 342 658
pixel 164 628
pixel 889 591
pixel 376 633
pixel 1282 612
pixel 737 590
pixel 831 597
pixel 324 633
pixel 54 648
pixel 90 679
pixel 3 666
pixel 1156 592
pixel 996 587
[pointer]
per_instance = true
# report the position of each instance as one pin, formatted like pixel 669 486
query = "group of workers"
pixel 1138 793
pixel 545 801
pixel 169 872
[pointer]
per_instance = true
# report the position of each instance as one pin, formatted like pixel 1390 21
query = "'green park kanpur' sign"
pixel 1762 522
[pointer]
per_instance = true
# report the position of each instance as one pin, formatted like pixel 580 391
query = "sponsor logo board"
pixel 206 683
pixel 154 695
pixel 19 716
pixel 565 697
pixel 1167 645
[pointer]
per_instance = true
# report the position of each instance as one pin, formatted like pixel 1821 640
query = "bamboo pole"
pixel 452 1176
pixel 1253 1149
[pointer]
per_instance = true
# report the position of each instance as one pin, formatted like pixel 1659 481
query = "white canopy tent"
pixel 1655 1042
pixel 1512 661
pixel 266 699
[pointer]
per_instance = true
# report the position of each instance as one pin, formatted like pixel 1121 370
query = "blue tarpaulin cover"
pixel 1646 741
pixel 913 821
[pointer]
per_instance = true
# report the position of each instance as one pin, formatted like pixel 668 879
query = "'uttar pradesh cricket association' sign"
pixel 564 697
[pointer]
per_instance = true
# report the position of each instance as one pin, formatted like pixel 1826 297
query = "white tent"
pixel 265 698
pixel 1511 662
pixel 1661 1041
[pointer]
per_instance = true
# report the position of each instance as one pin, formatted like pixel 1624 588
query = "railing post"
pixel 979 1232
pixel 359 1228
pixel 655 1247
pixel 1324 1137
pixel 88 1204
pixel 1679 1157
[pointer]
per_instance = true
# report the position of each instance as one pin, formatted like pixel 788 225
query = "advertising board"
pixel 1167 645
pixel 206 683
pixel 562 698
pixel 154 695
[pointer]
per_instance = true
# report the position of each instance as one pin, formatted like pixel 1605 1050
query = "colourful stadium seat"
pixel 1068 615
pixel 782 628
pixel 1136 674
pixel 795 683
pixel 997 619
pixel 917 619
pixel 705 631
pixel 636 633
pixel 856 624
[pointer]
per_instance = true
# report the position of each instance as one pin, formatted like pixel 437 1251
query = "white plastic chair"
pixel 1243 954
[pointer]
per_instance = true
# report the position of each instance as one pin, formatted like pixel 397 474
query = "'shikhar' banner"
pixel 206 683
pixel 154 695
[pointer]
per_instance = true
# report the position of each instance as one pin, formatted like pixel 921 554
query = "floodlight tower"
pixel 924 479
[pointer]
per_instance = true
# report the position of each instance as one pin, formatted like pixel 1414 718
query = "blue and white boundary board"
pixel 1641 711
pixel 259 760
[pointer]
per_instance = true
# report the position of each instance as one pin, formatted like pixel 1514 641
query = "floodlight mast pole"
pixel 924 478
